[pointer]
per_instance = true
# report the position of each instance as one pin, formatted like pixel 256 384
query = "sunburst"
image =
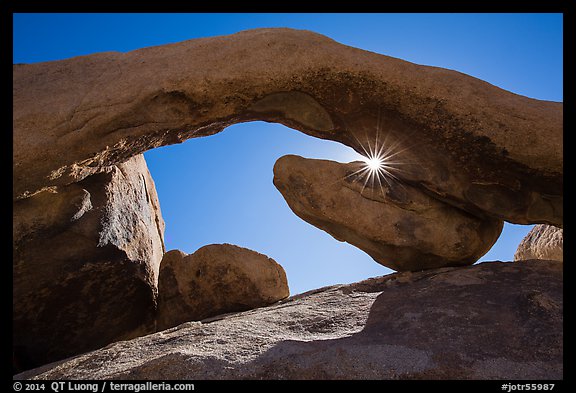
pixel 382 161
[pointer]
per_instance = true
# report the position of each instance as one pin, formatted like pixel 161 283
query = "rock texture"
pixel 487 321
pixel 85 264
pixel 542 242
pixel 87 227
pixel 396 224
pixel 472 144
pixel 216 279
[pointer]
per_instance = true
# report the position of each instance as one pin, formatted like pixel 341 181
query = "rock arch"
pixel 486 150
pixel 81 124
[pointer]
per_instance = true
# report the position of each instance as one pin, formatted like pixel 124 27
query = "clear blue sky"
pixel 219 189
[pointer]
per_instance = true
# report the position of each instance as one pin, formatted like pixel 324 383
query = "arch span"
pixel 485 150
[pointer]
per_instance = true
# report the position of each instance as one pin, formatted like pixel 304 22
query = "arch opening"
pixel 218 189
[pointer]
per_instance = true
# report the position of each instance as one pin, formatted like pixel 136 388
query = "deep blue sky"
pixel 219 189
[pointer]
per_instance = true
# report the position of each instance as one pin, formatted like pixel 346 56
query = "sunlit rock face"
pixel 396 224
pixel 542 242
pixel 474 145
pixel 85 264
pixel 216 279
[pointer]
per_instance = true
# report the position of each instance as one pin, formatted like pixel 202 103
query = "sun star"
pixel 383 160
pixel 374 163
pixel 380 161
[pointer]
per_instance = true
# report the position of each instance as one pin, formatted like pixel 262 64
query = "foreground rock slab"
pixel 488 321
pixel 396 224
pixel 542 242
pixel 472 144
pixel 216 279
pixel 85 264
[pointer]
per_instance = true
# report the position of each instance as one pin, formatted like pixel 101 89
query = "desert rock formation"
pixel 396 224
pixel 86 260
pixel 216 279
pixel 471 144
pixel 487 321
pixel 542 242
pixel 87 224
